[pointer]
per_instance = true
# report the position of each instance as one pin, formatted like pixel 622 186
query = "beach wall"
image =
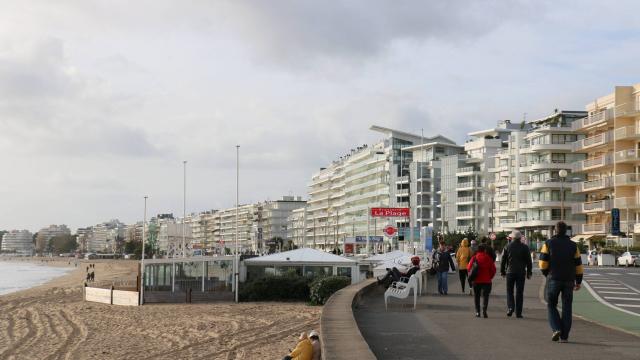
pixel 111 297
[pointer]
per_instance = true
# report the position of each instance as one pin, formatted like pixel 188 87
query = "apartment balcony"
pixel 592 185
pixel 631 179
pixel 537 184
pixel 467 186
pixel 630 202
pixel 589 229
pixel 534 204
pixel 598 119
pixel 629 132
pixel 592 207
pixel 593 142
pixel 375 170
pixel 467 171
pixel 402 180
pixel 462 215
pixel 501 198
pixel 501 183
pixel 551 147
pixel 402 193
pixel 627 109
pixel 547 165
pixel 627 156
pixel 599 162
pixel 362 185
pixel 467 200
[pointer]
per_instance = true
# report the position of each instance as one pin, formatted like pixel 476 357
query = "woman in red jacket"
pixel 482 282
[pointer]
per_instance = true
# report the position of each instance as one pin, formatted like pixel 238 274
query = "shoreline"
pixel 52 320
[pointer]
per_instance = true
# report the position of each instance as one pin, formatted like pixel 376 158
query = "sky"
pixel 101 102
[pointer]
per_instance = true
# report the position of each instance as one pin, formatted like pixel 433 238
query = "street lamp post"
pixel 237 259
pixel 144 223
pixel 492 219
pixel 184 206
pixel 563 174
pixel 443 201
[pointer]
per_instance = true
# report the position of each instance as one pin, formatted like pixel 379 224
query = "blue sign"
pixel 362 239
pixel 615 221
pixel 406 232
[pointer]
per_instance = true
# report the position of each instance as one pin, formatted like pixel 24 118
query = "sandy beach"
pixel 52 321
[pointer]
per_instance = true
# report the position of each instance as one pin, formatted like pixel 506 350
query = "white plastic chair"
pixel 402 290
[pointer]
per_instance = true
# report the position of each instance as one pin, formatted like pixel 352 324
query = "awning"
pixel 577 238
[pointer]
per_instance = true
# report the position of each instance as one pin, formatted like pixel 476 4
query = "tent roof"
pixel 389 256
pixel 305 255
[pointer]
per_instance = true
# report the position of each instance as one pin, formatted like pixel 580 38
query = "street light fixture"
pixel 563 175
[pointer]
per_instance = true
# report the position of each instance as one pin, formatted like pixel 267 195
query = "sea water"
pixel 15 276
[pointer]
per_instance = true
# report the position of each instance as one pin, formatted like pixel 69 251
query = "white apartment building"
pixel 105 236
pixel 45 234
pixel 270 219
pixel 296 228
pixel 342 194
pixel 83 236
pixel 133 232
pixel 171 236
pixel 530 195
pixel 431 177
pixel 474 211
pixel 19 242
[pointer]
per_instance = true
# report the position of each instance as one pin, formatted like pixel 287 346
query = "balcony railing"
pixel 626 202
pixel 464 214
pixel 466 169
pixel 592 184
pixel 593 206
pixel 465 199
pixel 593 119
pixel 627 109
pixel 626 155
pixel 625 132
pixel 593 141
pixel 594 228
pixel 603 160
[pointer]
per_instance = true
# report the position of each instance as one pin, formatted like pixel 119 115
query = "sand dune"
pixel 52 322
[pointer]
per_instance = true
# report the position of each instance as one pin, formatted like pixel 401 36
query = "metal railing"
pixel 602 160
pixel 599 139
pixel 592 184
pixel 625 132
pixel 594 228
pixel 627 155
pixel 603 115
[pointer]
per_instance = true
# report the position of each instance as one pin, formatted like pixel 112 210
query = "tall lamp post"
pixel 563 175
pixel 443 201
pixel 237 258
pixel 144 223
pixel 184 206
pixel 492 219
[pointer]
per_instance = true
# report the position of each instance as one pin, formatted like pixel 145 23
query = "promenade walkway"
pixel 444 327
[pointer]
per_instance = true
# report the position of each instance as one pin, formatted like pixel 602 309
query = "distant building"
pixel 19 242
pixel 105 236
pixel 83 235
pixel 47 233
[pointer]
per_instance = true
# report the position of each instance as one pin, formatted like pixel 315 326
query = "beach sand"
pixel 52 321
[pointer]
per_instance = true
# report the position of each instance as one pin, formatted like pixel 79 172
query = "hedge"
pixel 322 288
pixel 276 288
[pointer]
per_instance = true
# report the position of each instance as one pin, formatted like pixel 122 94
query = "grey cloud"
pixel 297 32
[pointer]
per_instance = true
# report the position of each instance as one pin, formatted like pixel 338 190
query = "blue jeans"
pixel 442 281
pixel 557 323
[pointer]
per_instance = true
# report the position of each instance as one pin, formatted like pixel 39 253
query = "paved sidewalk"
pixel 444 327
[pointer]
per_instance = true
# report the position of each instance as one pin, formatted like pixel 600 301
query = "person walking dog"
pixel 561 264
pixel 515 266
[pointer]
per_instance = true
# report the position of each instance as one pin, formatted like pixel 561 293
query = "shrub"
pixel 276 288
pixel 322 288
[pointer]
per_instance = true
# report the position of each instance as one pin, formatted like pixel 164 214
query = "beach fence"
pixel 111 296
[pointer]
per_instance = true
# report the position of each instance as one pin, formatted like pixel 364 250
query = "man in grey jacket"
pixel 515 265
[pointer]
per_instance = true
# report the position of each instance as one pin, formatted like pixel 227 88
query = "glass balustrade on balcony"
pixel 596 140
pixel 629 155
pixel 593 228
pixel 631 179
pixel 625 132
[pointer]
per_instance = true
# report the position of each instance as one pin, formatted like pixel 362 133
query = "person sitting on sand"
pixel 314 337
pixel 303 350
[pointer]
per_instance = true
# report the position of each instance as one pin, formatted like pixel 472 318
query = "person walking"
pixel 488 249
pixel 463 255
pixel 442 262
pixel 515 266
pixel 486 270
pixel 561 264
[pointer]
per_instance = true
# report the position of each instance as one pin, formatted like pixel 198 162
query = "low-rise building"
pixel 45 234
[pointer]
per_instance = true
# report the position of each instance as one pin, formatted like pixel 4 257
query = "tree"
pixel 135 247
pixel 62 244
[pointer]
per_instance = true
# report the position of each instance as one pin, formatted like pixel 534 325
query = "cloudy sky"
pixel 101 101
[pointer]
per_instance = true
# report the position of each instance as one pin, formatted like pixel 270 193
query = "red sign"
pixel 390 230
pixel 348 248
pixel 390 212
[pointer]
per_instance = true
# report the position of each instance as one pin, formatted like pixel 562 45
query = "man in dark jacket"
pixel 560 262
pixel 515 265
pixel 442 262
